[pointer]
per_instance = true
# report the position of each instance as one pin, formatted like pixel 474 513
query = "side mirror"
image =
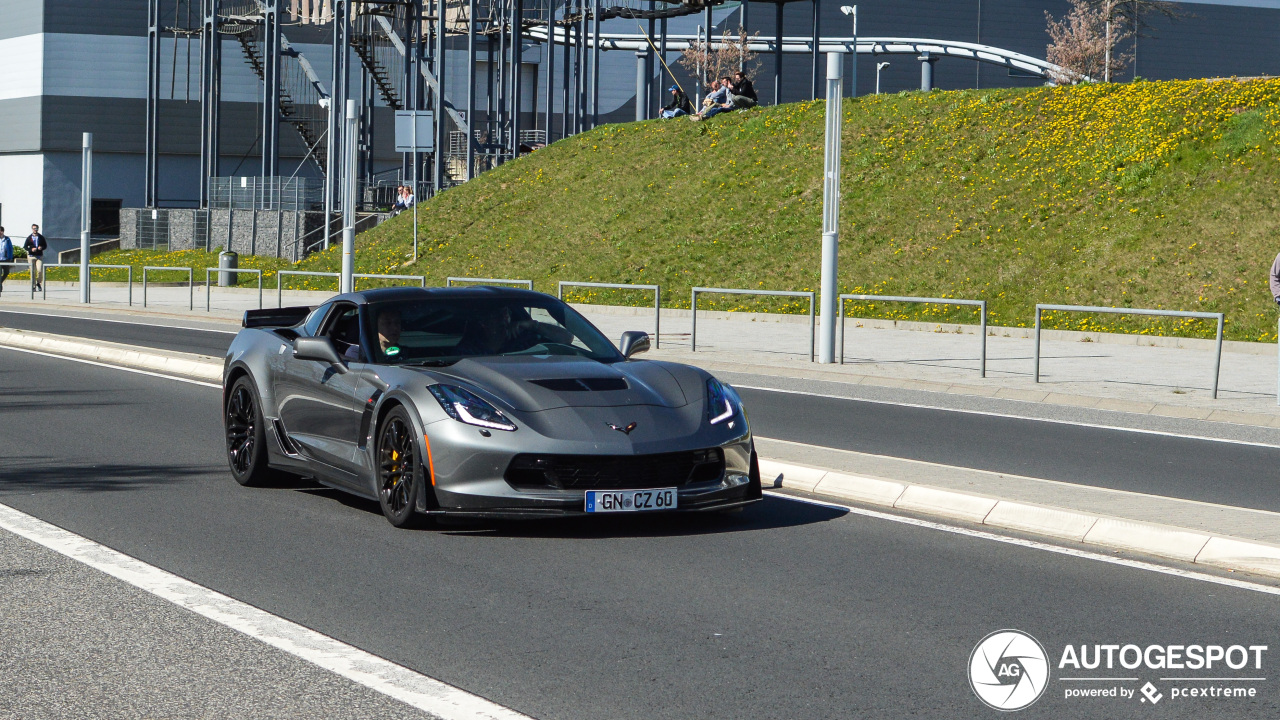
pixel 633 342
pixel 319 349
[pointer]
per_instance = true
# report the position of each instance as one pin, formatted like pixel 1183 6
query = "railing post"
pixel 657 312
pixel 982 329
pixel 1217 360
pixel 144 287
pixel 693 330
pixel 1037 361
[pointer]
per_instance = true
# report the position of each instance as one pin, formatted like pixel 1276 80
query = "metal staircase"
pixel 300 88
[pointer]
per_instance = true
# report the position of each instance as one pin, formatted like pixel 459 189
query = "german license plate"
pixel 610 501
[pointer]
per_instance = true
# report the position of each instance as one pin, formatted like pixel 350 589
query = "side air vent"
pixel 582 384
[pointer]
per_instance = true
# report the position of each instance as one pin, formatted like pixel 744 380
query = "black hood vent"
pixel 582 384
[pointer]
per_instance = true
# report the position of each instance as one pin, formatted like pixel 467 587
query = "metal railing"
pixel 982 317
pixel 280 281
pixel 31 276
pixel 422 279
pixel 191 282
pixel 208 295
pixel 657 300
pixel 1217 361
pixel 449 281
pixel 128 268
pixel 44 276
pixel 813 328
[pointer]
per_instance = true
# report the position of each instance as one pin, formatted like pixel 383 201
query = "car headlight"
pixel 720 405
pixel 467 407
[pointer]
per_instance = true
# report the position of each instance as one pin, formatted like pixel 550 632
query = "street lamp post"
pixel 880 66
pixel 852 12
pixel 86 212
pixel 351 140
pixel 831 211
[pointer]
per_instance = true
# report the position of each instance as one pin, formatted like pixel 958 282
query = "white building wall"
pixel 21 183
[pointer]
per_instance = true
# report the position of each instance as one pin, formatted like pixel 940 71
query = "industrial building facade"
pixel 75 66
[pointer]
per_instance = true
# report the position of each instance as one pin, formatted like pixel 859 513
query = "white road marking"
pixel 120 322
pixel 137 371
pixel 412 688
pixel 1010 416
pixel 1035 545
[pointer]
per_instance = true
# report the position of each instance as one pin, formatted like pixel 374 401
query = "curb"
pixel 200 367
pixel 1115 533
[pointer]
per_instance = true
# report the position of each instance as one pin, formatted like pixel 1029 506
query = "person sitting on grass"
pixel 744 91
pixel 720 100
pixel 679 104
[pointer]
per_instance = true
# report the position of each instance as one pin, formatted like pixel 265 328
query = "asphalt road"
pixel 1187 468
pixel 788 610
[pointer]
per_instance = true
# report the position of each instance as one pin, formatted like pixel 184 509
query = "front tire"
pixel 246 436
pixel 399 469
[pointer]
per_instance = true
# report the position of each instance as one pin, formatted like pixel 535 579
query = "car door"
pixel 317 402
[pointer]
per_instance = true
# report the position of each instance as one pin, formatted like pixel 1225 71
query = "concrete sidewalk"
pixel 1134 374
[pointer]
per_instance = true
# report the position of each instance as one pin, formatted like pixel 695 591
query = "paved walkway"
pixel 1098 371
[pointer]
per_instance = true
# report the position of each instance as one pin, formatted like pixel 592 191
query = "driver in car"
pixel 388 336
pixel 494 332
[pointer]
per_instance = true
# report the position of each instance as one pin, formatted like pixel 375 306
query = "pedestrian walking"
pixel 6 256
pixel 35 247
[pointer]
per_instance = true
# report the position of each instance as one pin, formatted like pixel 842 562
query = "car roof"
pixel 377 295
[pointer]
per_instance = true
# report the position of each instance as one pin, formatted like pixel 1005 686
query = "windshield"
pixel 445 330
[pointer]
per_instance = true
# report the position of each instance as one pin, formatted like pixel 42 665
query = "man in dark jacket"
pixel 679 104
pixel 743 88
pixel 35 247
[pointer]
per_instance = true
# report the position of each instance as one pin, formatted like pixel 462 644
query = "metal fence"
pixel 1217 361
pixel 208 295
pixel 191 282
pixel 693 334
pixel 657 300
pixel 281 275
pixel 265 193
pixel 153 229
pixel 128 268
pixel 421 279
pixel 982 315
pixel 449 281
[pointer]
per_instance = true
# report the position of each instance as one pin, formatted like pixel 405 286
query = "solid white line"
pixel 1010 416
pixel 376 673
pixel 1073 552
pixel 114 367
pixel 1093 679
pixel 121 322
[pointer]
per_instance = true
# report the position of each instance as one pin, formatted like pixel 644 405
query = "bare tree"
pixel 1083 42
pixel 711 60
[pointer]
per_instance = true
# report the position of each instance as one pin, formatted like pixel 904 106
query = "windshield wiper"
pixel 431 362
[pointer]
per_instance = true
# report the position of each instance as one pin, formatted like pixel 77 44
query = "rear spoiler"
pixel 275 317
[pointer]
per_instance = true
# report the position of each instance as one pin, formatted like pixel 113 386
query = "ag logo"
pixel 1008 670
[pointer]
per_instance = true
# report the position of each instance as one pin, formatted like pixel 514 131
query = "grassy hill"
pixel 1140 195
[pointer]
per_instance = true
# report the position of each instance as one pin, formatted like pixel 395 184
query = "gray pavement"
pixel 81 644
pixel 787 610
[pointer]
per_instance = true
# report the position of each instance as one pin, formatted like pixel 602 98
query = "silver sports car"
pixel 483 402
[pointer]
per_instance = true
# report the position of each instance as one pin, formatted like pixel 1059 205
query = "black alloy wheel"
pixel 246 436
pixel 398 469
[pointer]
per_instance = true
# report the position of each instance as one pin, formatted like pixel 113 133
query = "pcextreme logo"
pixel 1009 670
